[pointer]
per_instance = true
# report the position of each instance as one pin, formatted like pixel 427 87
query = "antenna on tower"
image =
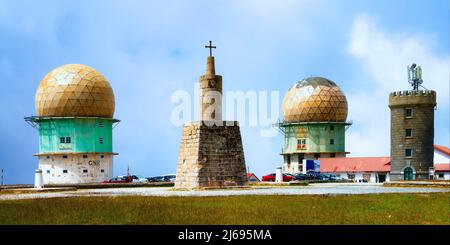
pixel 415 76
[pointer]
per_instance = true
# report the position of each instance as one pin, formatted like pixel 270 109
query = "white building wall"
pixel 293 167
pixel 373 178
pixel 445 177
pixel 93 168
pixel 358 177
pixel 440 157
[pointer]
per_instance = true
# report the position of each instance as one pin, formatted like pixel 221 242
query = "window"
pixel 100 140
pixel 65 171
pixel 100 125
pixel 409 112
pixel 84 156
pixel 316 155
pixel 102 170
pixel 333 155
pixel 301 141
pixel 85 170
pixel 408 152
pixel 331 127
pixel 331 141
pixel 48 171
pixel 64 140
pixel 65 156
pixel 408 132
pixel 440 175
pixel 102 156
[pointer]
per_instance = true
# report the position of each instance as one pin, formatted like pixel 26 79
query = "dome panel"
pixel 315 99
pixel 74 90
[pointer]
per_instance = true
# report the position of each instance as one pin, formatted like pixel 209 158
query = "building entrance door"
pixel 408 174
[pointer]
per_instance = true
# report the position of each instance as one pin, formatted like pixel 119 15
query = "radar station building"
pixel 75 108
pixel 314 122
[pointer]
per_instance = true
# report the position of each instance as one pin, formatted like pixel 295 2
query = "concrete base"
pixel 76 168
pixel 211 157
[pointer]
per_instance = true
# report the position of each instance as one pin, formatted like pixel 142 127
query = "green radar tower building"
pixel 75 107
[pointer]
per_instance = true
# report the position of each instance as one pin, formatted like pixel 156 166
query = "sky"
pixel 148 50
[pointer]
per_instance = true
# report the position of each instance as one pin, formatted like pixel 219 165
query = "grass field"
pixel 261 210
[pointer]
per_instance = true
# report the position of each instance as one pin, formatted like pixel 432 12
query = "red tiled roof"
pixel 250 175
pixel 442 149
pixel 442 167
pixel 355 164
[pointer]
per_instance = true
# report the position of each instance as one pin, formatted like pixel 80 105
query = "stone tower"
pixel 211 153
pixel 412 130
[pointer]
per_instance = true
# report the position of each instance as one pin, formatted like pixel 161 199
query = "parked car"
pixel 119 179
pixel 300 176
pixel 157 179
pixel 330 177
pixel 315 176
pixel 271 177
pixel 170 177
pixel 163 178
pixel 139 179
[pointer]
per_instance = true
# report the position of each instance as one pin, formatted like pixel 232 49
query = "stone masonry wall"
pixel 211 156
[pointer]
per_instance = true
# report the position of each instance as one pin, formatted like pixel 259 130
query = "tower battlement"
pixel 412 97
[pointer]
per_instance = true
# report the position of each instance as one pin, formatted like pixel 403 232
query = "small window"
pixel 408 132
pixel 85 170
pixel 84 156
pixel 331 127
pixel 441 175
pixel 408 152
pixel 65 156
pixel 301 141
pixel 102 170
pixel 65 171
pixel 62 140
pixel 48 171
pixel 100 140
pixel 68 140
pixel 409 112
pixel 100 125
pixel 331 141
pixel 102 156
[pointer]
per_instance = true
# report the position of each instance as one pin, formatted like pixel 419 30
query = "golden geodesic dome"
pixel 315 99
pixel 74 90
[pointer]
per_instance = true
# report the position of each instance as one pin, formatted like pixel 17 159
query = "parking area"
pixel 312 189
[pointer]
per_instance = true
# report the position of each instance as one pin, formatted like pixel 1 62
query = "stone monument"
pixel 211 153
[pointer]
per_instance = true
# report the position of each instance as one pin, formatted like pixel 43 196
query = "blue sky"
pixel 150 49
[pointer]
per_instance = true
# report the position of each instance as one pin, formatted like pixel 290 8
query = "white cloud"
pixel 384 57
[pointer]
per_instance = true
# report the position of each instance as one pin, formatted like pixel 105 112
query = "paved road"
pixel 313 189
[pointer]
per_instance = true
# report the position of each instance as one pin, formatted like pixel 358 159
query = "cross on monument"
pixel 210 48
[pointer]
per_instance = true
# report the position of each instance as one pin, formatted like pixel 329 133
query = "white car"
pixel 139 179
pixel 136 178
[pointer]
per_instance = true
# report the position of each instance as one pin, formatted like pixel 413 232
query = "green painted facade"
pixel 86 135
pixel 314 137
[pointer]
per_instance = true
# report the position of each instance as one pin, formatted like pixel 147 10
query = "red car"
pixel 271 177
pixel 126 179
